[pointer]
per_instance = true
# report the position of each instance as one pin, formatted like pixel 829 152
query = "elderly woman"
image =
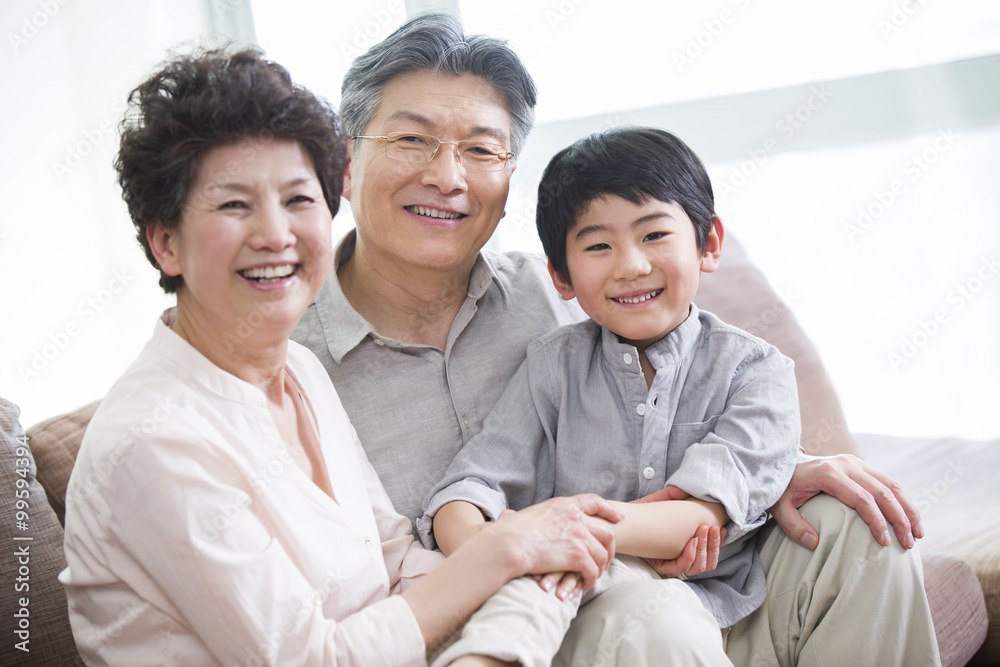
pixel 222 510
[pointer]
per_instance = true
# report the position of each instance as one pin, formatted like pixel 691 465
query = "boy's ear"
pixel 161 242
pixel 563 285
pixel 713 246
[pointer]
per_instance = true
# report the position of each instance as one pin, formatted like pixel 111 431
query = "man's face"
pixel 437 215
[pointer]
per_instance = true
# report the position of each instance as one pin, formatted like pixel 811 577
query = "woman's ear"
pixel 713 246
pixel 562 283
pixel 162 242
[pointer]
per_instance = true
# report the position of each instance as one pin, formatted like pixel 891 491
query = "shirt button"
pixel 640 409
pixel 368 542
pixel 648 473
pixel 379 342
pixel 627 358
pixel 465 421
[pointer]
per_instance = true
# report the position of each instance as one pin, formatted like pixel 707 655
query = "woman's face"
pixel 253 245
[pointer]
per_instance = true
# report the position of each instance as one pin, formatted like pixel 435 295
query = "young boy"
pixel 650 392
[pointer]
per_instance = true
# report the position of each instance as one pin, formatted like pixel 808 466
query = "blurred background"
pixel 852 146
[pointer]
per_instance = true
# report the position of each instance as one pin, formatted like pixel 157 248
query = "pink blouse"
pixel 193 538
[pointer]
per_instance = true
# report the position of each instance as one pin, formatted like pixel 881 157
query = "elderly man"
pixel 420 330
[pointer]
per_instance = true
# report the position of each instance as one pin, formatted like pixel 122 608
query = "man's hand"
pixel 701 553
pixel 877 498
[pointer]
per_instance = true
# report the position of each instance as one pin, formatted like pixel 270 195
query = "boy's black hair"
pixel 634 163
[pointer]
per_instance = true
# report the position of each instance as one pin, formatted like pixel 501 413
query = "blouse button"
pixel 379 342
pixel 368 541
pixel 627 358
pixel 640 409
pixel 648 473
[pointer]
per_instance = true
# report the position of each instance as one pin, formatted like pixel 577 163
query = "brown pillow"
pixel 740 295
pixel 33 604
pixel 55 443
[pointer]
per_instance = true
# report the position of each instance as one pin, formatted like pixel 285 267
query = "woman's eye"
pixel 234 204
pixel 300 199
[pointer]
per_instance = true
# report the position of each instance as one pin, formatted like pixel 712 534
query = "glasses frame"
pixel 392 137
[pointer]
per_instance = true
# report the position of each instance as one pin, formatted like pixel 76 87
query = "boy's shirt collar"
pixel 670 350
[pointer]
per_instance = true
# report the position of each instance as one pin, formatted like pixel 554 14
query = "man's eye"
pixel 234 204
pixel 301 199
pixel 410 140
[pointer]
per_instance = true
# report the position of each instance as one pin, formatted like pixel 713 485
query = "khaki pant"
pixel 848 602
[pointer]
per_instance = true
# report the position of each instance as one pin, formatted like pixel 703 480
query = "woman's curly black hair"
pixel 204 100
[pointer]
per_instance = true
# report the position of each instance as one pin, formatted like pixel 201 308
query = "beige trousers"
pixel 848 602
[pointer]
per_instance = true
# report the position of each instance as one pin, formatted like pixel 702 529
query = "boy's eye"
pixel 598 246
pixel 652 236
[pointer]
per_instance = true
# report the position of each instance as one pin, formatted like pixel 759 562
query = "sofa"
pixel 948 480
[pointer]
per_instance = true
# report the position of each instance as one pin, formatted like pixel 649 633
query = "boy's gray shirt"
pixel 720 421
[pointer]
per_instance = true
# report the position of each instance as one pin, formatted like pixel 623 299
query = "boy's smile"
pixel 634 268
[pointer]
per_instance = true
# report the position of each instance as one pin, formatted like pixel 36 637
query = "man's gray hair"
pixel 437 42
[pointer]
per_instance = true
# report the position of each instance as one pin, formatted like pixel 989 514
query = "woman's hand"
pixel 570 534
pixel 878 498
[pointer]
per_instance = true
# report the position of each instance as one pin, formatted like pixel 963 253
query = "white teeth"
pixel 269 273
pixel 638 299
pixel 434 213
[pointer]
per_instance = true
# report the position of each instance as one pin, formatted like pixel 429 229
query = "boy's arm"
pixel 661 529
pixel 455 524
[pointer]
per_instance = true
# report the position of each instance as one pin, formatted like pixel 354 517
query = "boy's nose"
pixel 632 264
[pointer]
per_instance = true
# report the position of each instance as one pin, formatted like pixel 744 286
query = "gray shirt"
pixel 414 406
pixel 720 421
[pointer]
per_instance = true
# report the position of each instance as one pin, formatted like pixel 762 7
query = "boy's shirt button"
pixel 627 358
pixel 640 409
pixel 648 473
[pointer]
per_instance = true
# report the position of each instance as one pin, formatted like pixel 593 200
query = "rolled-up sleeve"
pixel 747 457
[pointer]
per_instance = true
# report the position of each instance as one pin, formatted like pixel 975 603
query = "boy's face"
pixel 635 268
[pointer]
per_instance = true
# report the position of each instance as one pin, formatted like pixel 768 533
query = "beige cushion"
pixel 55 443
pixel 740 295
pixel 50 641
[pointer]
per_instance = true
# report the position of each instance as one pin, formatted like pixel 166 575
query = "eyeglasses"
pixel 422 148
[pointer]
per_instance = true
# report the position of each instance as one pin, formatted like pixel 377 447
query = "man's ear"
pixel 162 242
pixel 563 285
pixel 713 246
pixel 346 191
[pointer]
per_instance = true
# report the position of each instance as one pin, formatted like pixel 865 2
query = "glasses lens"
pixel 422 148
